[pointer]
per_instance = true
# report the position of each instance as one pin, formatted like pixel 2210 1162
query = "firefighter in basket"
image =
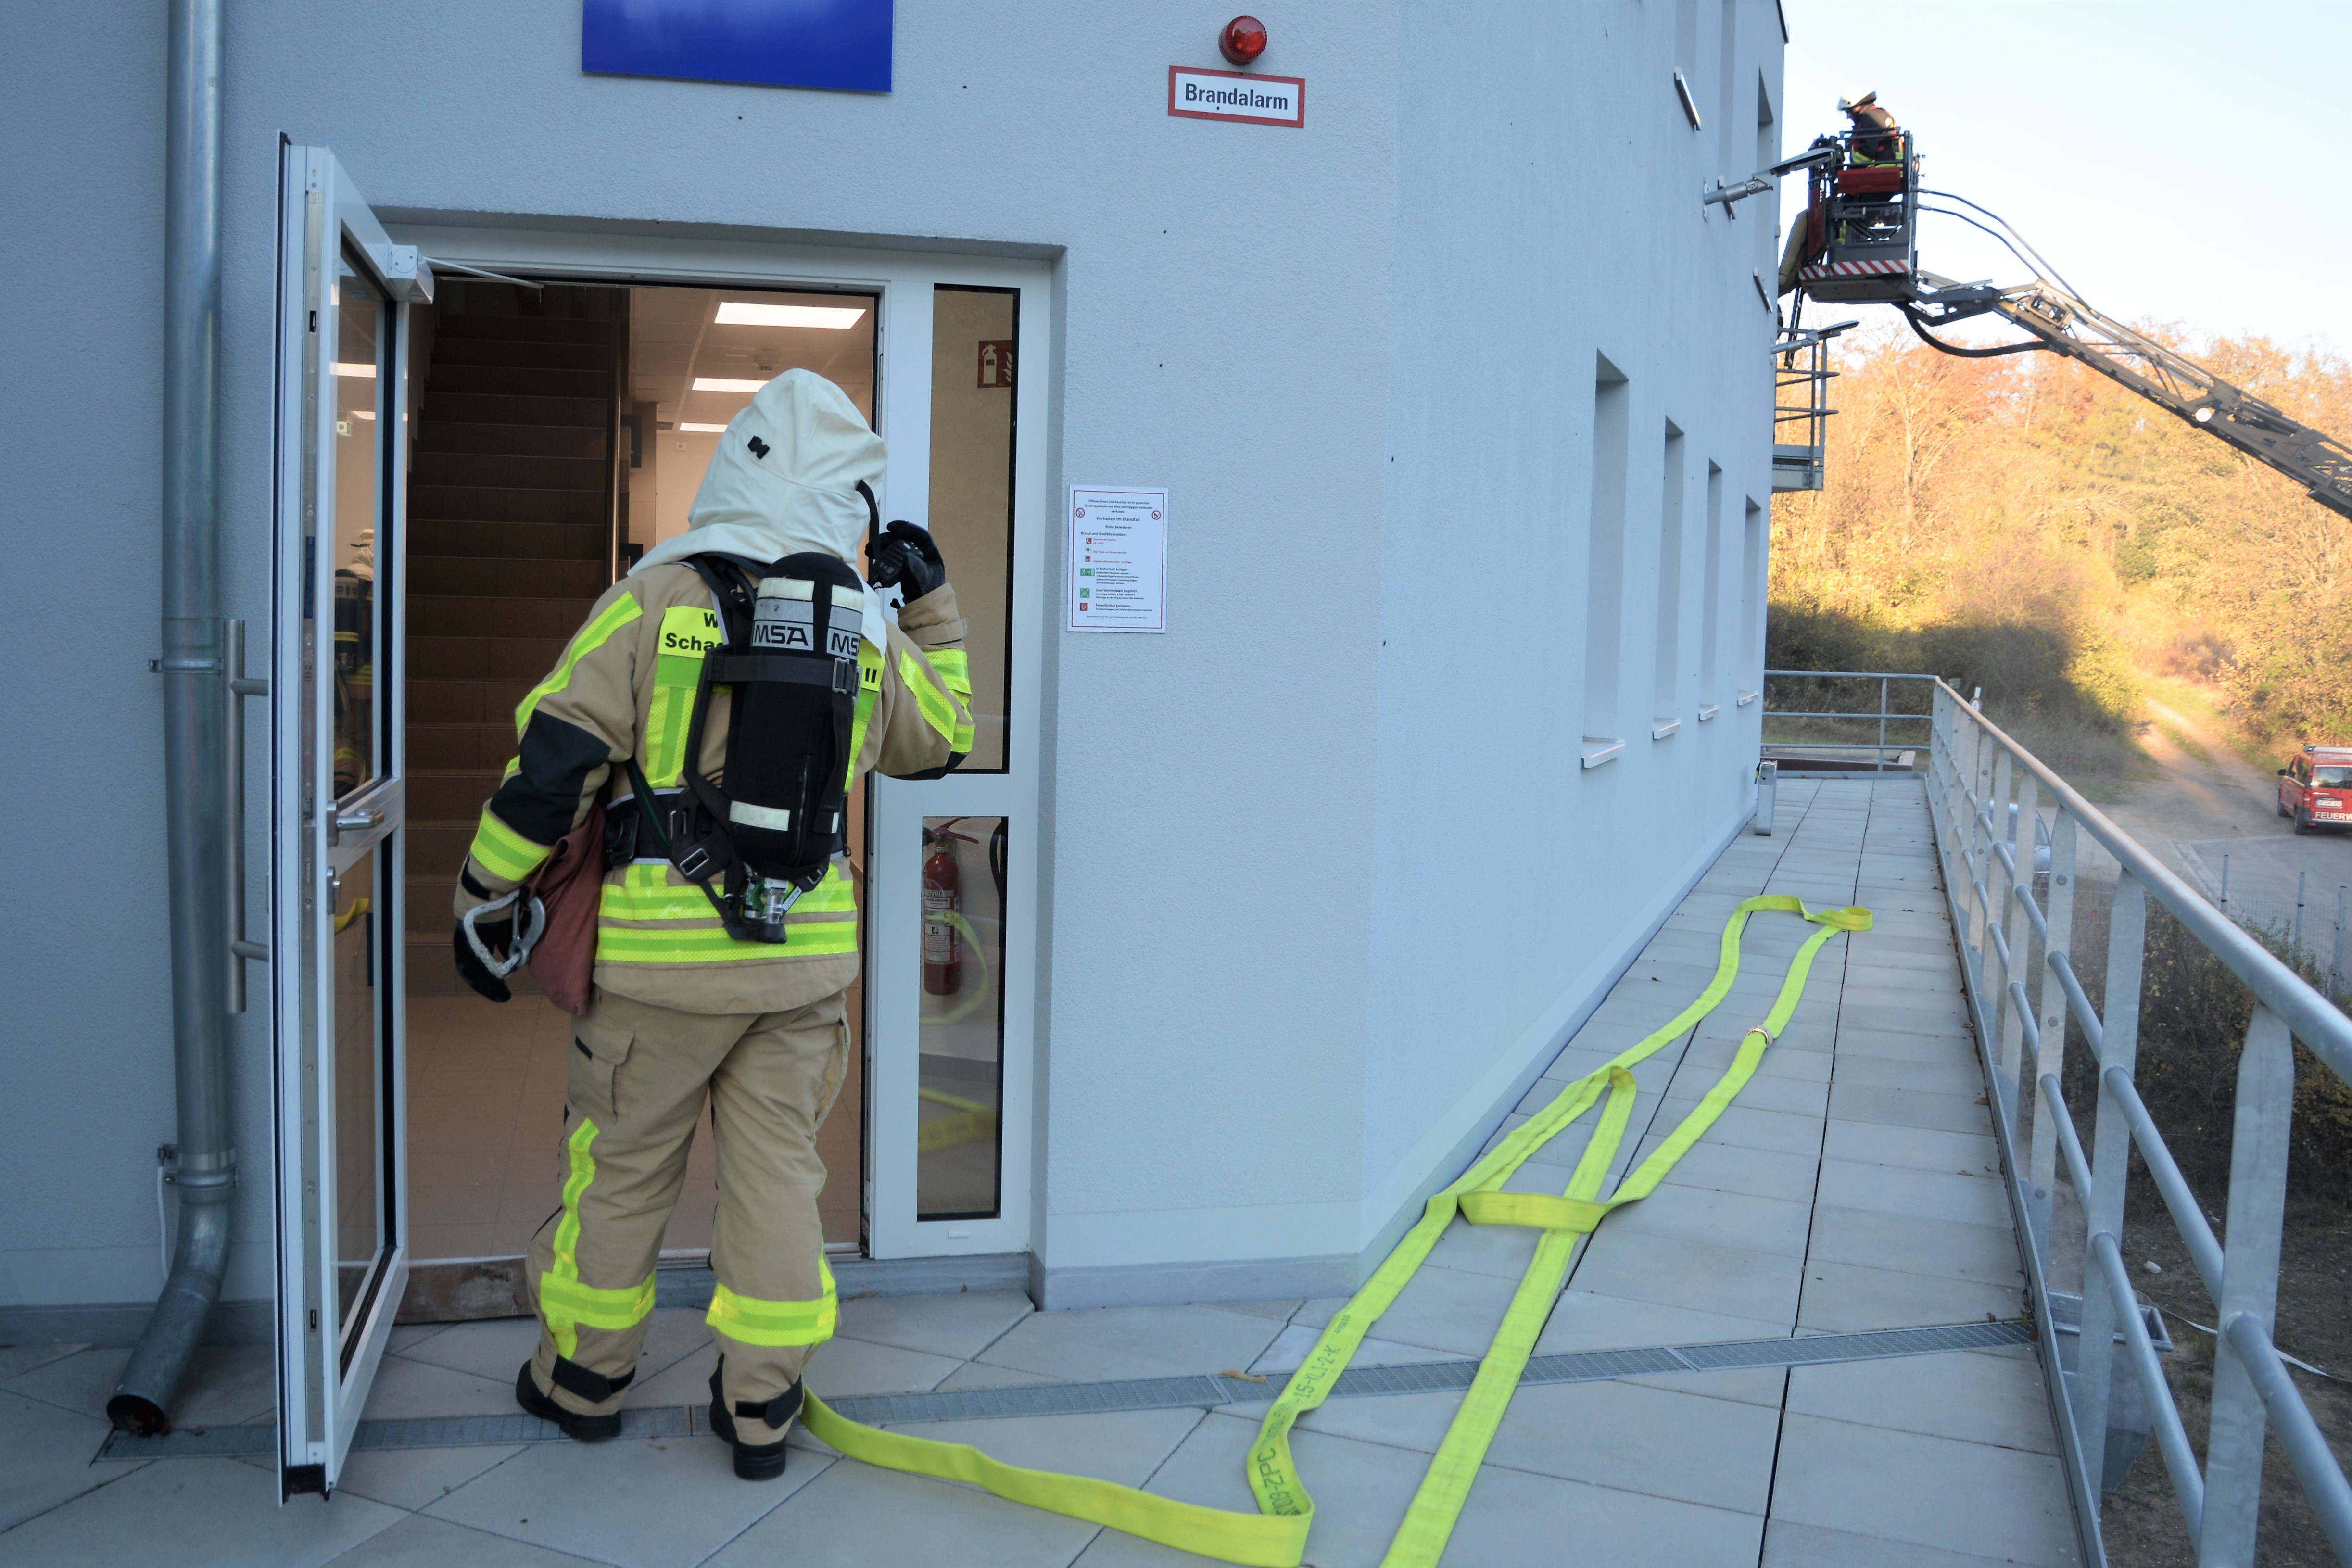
pixel 722 701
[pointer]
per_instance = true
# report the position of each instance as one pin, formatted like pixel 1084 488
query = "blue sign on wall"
pixel 842 43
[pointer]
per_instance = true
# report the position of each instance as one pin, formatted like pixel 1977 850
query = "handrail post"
pixel 2103 1205
pixel 1883 684
pixel 2060 913
pixel 2022 839
pixel 2249 1266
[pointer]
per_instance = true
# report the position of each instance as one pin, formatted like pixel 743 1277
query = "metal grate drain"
pixel 1203 1392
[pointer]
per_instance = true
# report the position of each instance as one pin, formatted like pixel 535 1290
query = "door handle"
pixel 362 821
pixel 240 686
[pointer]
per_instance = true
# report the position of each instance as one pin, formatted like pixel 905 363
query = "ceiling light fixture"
pixel 704 429
pixel 831 318
pixel 352 367
pixel 725 383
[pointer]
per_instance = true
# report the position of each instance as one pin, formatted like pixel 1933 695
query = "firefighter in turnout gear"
pixel 715 983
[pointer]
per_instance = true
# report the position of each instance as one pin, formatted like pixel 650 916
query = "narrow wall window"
pixel 1710 611
pixel 1668 658
pixel 1604 575
pixel 1751 654
pixel 1727 51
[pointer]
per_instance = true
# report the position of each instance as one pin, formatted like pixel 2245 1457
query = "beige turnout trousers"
pixel 640 1075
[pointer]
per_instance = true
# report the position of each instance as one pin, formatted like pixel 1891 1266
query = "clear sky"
pixel 2180 161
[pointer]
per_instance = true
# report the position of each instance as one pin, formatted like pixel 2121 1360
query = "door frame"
pixel 323 1373
pixel 902 282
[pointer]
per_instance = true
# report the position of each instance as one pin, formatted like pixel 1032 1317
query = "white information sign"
pixel 1119 559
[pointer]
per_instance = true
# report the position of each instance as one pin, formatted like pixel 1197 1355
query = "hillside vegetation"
pixel 2026 525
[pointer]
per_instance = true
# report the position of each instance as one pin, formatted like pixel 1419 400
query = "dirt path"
pixel 2209 808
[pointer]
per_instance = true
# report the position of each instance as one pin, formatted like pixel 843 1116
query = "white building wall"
pixel 1323 875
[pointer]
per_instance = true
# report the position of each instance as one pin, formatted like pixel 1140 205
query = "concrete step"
pixel 459 576
pixel 541 353
pixel 522 380
pixel 494 408
pixel 473 616
pixel 506 471
pixel 473 538
pixel 513 440
pixel 482 658
pixel 505 503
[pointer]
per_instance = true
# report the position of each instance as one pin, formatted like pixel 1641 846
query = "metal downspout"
pixel 195 700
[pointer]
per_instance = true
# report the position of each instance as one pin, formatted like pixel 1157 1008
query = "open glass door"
pixel 338 767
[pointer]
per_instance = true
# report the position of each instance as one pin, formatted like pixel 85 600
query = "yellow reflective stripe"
pixel 580 1171
pixel 585 1304
pixel 503 852
pixel 688 632
pixel 683 944
pixel 869 687
pixel 749 1320
pixel 1275 1537
pixel 590 637
pixel 954 666
pixel 938 710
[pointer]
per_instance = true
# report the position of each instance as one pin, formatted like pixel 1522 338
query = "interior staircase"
pixel 510 509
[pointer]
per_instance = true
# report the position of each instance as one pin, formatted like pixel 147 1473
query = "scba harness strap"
pixel 1275 1536
pixel 789 659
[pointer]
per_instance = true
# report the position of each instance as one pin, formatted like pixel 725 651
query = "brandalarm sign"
pixel 1236 95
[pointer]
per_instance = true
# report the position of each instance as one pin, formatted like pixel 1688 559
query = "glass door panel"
pixel 958 1131
pixel 337 800
pixel 976 348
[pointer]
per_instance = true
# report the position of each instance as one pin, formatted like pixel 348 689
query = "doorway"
pixel 563 430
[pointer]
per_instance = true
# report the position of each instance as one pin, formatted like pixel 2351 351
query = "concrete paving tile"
pixel 1727 1167
pixel 640 1504
pixel 1745 1126
pixel 1787 1545
pixel 225 1384
pixel 1499 1249
pixel 1957 1074
pixel 979 1374
pixel 491 1347
pixel 686 1381
pixel 1625 1435
pixel 1291 1347
pixel 1793 1095
pixel 1909 1108
pixel 844 1366
pixel 1281 1310
pixel 418 1542
pixel 1919 1148
pixel 1131 1342
pixel 48 1452
pixel 960 1325
pixel 412 1478
pixel 1704 1213
pixel 1985 1253
pixel 1913 1020
pixel 1971 1398
pixel 403 1388
pixel 1706 1275
pixel 1843 1297
pixel 16 1361
pixel 1861 1045
pixel 1125 1446
pixel 854 1516
pixel 1715 1054
pixel 406 1336
pixel 196 1510
pixel 1930 1491
pixel 1973 1197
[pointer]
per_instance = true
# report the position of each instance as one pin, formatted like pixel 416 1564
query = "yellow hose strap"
pixel 1275 1537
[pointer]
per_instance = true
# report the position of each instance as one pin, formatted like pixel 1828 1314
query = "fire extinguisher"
pixel 942 901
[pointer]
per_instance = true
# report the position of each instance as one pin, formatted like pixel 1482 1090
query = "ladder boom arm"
pixel 2064 324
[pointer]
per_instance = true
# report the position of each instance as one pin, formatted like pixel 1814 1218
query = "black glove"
pixel 906 559
pixel 497 936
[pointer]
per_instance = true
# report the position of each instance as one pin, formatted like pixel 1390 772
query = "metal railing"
pixel 1883 716
pixel 1801 407
pixel 1981 786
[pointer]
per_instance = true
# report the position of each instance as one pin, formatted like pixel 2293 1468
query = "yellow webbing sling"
pixel 1275 1537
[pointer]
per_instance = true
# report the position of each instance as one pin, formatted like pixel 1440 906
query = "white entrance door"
pixel 344 410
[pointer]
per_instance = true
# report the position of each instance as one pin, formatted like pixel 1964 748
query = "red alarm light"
pixel 1243 40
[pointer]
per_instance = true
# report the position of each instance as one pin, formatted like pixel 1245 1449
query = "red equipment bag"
pixel 570 887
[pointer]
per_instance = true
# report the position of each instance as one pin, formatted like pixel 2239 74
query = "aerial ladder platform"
pixel 1859 244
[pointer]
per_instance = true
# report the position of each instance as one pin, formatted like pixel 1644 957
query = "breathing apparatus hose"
pixel 1275 1536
